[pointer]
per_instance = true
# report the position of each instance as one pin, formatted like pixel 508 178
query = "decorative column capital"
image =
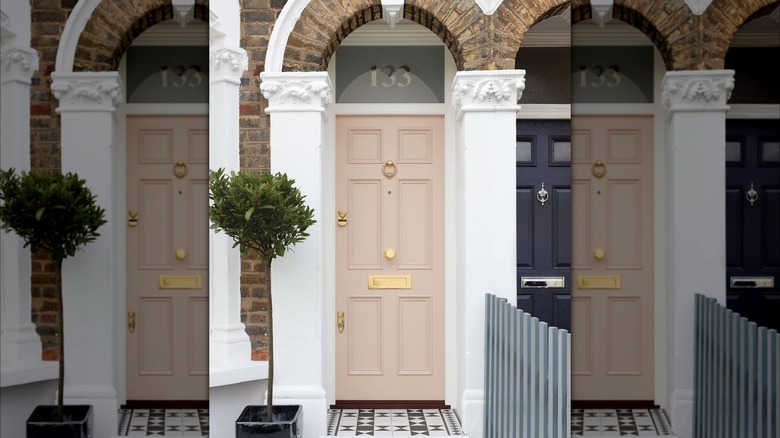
pixel 87 91
pixel 18 63
pixel 488 90
pixel 296 91
pixel 227 64
pixel 705 90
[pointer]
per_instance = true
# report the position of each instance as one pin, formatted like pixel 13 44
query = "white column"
pixel 87 105
pixel 234 379
pixel 486 102
pixel 20 345
pixel 695 105
pixel 296 105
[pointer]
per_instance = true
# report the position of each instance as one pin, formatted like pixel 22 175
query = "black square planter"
pixel 288 422
pixel 77 422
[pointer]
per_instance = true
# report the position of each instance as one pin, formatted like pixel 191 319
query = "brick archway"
pixel 685 40
pixel 113 26
pixel 476 41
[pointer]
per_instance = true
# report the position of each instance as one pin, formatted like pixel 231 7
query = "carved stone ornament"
pixel 87 91
pixel 698 6
pixel 227 64
pixel 489 6
pixel 296 91
pixel 18 63
pixel 473 90
pixel 697 90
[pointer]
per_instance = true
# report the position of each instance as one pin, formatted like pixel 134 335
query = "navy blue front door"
pixel 753 220
pixel 543 176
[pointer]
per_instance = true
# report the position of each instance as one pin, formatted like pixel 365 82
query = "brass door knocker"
pixel 389 169
pixel 599 169
pixel 180 169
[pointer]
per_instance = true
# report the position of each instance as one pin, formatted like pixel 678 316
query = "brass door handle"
pixel 599 254
pixel 181 254
pixel 340 321
pixel 389 253
pixel 131 322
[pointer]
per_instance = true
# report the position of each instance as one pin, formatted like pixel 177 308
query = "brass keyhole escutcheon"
pixel 342 220
pixel 132 218
pixel 389 253
pixel 340 321
pixel 131 322
pixel 599 169
pixel 389 169
pixel 180 169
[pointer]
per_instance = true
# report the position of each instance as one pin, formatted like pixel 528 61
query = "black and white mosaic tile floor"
pixel 620 422
pixel 164 422
pixel 393 422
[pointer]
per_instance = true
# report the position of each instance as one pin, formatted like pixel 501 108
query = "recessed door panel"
pixel 390 258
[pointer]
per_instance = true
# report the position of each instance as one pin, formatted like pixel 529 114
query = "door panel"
pixel 544 228
pixel 753 228
pixel 167 258
pixel 389 250
pixel 612 296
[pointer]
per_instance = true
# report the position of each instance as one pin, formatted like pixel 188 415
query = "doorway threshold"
pixel 393 422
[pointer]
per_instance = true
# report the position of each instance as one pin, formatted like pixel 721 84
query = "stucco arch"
pixel 98 33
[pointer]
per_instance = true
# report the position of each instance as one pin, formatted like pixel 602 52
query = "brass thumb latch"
pixel 131 322
pixel 340 321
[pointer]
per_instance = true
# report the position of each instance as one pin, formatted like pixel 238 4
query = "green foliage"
pixel 265 214
pixel 52 212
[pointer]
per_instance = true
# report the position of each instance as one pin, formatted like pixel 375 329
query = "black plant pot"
pixel 288 422
pixel 77 422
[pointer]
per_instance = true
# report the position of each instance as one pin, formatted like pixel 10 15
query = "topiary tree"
pixel 265 215
pixel 53 213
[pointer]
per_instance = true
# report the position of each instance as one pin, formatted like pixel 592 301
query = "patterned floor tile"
pixel 393 422
pixel 164 422
pixel 620 422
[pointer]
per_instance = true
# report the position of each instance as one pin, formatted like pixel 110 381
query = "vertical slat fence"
pixel 736 375
pixel 527 374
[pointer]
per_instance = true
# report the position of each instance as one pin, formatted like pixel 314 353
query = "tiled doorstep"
pixel 393 422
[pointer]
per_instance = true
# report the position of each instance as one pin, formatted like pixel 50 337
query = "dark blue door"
pixel 543 175
pixel 753 220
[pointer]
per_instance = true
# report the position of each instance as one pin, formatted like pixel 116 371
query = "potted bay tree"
pixel 56 214
pixel 265 214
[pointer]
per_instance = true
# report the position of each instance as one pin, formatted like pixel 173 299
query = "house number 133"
pixel 609 76
pixel 395 76
pixel 191 77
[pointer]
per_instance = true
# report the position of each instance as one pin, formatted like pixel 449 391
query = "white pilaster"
pixel 486 253
pixel 230 350
pixel 20 345
pixel 296 106
pixel 695 105
pixel 87 105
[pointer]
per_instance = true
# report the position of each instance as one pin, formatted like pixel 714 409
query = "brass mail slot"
pixel 598 281
pixel 180 282
pixel 389 281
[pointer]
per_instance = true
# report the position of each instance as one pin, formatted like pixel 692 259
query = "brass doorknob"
pixel 598 254
pixel 389 253
pixel 181 254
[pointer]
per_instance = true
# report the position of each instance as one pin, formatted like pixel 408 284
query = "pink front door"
pixel 167 258
pixel 390 258
pixel 612 258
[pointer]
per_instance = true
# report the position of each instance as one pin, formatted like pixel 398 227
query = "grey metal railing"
pixel 527 375
pixel 736 375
